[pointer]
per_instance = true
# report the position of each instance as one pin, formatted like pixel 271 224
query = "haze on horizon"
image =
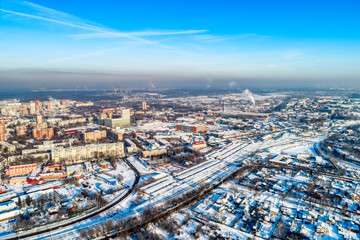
pixel 205 44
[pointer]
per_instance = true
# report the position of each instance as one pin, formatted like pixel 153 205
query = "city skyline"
pixel 208 44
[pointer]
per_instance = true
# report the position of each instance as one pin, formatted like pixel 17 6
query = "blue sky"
pixel 220 40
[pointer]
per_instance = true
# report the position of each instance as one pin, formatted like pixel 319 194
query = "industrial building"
pixel 191 128
pixel 107 179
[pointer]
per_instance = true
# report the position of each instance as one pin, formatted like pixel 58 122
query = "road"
pixel 179 185
pixel 211 175
pixel 49 229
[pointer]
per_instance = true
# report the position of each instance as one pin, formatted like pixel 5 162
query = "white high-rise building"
pixel 124 120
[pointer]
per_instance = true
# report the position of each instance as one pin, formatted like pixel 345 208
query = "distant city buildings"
pixel 32 108
pixel 107 110
pixel 2 130
pixel 35 107
pixel 20 131
pixel 82 104
pixel 24 111
pixel 39 119
pixel 49 106
pixel 43 133
pixel 73 120
pixel 144 106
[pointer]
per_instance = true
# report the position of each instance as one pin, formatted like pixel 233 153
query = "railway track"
pixel 76 220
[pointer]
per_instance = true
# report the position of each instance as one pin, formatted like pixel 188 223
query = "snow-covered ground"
pixel 139 166
pixel 209 172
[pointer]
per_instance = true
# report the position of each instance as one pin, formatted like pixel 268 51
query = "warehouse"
pixel 107 179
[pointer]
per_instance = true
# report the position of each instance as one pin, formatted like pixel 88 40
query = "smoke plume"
pixel 209 80
pixel 248 95
pixel 152 85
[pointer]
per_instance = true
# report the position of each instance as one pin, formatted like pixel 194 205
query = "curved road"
pixel 226 168
pixel 45 229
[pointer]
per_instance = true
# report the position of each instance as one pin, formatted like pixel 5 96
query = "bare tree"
pixel 120 177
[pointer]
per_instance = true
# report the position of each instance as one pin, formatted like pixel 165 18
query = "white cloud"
pixel 96 30
pixel 118 34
